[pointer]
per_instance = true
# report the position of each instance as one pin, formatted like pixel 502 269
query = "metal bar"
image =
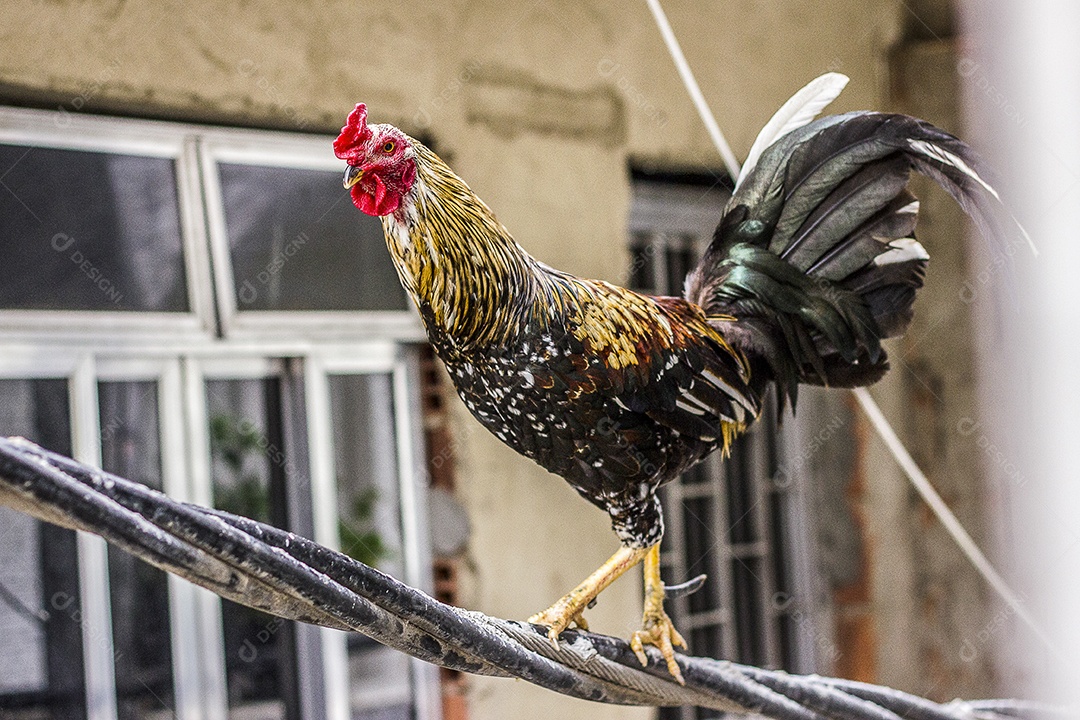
pixel 766 589
pixel 659 248
pixel 96 617
pixel 805 597
pixel 212 683
pixel 412 472
pixel 720 482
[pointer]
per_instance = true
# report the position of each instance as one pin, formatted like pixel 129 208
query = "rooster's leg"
pixel 657 627
pixel 569 608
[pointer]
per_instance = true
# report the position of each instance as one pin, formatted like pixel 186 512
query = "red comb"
pixel 354 134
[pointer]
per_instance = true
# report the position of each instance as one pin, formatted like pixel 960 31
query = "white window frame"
pixel 198 656
pixel 66 131
pixel 180 351
pixel 272 149
pixel 196 152
pixel 672 216
pixel 412 486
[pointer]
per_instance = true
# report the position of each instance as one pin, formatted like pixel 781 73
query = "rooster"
pixel 812 264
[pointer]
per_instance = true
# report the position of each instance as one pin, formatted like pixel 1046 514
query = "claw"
pixel 556 623
pixel 657 627
pixel 659 631
pixel 687 588
pixel 570 608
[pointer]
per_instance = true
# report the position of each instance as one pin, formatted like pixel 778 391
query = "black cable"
pixel 295 578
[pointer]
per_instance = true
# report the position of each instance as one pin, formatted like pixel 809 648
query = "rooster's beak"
pixel 352 176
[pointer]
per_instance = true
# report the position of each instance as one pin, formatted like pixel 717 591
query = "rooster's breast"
pixel 551 400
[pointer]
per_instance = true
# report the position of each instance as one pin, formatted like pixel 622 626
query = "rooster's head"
pixel 382 164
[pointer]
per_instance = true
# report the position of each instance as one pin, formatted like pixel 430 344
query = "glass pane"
pixel 699 474
pixel 680 261
pixel 707 641
pixel 249 476
pixel 89 231
pixel 41 666
pixel 746 587
pixel 641 263
pixel 742 527
pixel 698 523
pixel 370 524
pixel 782 585
pixel 139 593
pixel 779 540
pixel 297 243
pixel 669 713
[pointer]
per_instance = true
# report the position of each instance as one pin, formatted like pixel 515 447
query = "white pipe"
pixel 692 87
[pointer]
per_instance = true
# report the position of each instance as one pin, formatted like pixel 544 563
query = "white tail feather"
pixel 942 155
pixel 803 107
pixel 928 149
pixel 902 250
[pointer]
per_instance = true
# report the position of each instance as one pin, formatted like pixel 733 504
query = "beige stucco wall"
pixel 541 107
pixel 946 653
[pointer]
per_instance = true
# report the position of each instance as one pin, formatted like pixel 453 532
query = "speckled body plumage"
pixel 613 391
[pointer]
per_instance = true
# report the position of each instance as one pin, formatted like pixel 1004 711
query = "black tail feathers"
pixel 815 254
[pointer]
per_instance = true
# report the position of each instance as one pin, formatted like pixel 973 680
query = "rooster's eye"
pixel 388 147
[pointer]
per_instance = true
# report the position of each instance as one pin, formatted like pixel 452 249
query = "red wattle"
pixel 380 191
pixel 382 202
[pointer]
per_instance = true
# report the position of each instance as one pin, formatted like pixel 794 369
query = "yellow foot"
pixel 657 628
pixel 569 608
pixel 557 619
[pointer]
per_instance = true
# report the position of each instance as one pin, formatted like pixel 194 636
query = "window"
pixel 301 257
pixel 345 266
pixel 203 311
pixel 41 668
pixel 730 519
pixel 114 216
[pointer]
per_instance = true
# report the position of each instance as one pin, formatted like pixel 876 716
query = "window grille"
pixel 729 519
